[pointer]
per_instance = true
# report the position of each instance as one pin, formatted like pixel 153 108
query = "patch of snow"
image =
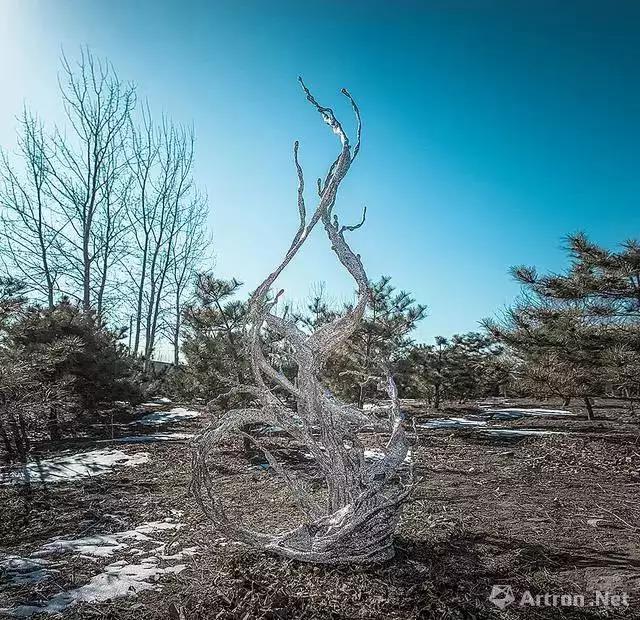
pixel 18 571
pixel 451 423
pixel 156 526
pixel 382 406
pixel 150 438
pixel 104 545
pixel 177 414
pixel 374 454
pixel 379 454
pixel 100 546
pixel 70 467
pixel 118 580
pixel 179 555
pixel 517 432
pixel 481 423
pixel 517 412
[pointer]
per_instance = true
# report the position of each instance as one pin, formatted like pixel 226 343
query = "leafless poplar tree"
pixel 111 233
pixel 142 210
pixel 356 519
pixel 176 159
pixel 86 167
pixel 29 226
pixel 187 251
pixel 167 217
pixel 105 203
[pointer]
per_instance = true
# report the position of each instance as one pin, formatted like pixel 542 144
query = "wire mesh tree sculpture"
pixel 355 519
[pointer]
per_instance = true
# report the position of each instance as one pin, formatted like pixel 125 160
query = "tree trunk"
pixel 52 424
pixel 103 283
pixel 7 443
pixel 25 432
pixel 436 397
pixel 21 448
pixel 148 343
pixel 176 335
pixel 589 405
pixel 139 301
pixel 86 275
pixel 45 260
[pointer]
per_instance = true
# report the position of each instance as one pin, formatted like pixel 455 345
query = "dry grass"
pixel 555 514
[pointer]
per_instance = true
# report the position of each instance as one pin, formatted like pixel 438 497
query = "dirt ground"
pixel 556 513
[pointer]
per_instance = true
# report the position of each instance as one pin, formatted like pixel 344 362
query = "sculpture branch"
pixel 355 519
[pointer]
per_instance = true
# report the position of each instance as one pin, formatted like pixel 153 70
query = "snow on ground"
pixel 151 438
pixel 18 571
pixel 517 432
pixel 177 414
pixel 379 454
pixel 179 555
pixel 157 402
pixel 69 467
pixel 451 423
pixel 117 579
pixel 480 422
pixel 516 412
pixel 104 545
pixel 383 405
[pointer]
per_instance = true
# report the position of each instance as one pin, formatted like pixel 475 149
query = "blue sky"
pixel 491 129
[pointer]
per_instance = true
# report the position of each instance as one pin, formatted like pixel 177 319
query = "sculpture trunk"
pixel 355 520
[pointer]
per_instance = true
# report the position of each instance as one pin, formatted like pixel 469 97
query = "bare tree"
pixel 166 216
pixel 142 212
pixel 103 204
pixel 187 251
pixel 29 226
pixel 356 519
pixel 111 236
pixel 85 168
pixel 176 159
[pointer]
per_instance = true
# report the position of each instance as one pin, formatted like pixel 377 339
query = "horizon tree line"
pixel 103 210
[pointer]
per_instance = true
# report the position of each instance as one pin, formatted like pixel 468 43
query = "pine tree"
pixel 578 333
pixel 73 354
pixel 458 368
pixel 605 285
pixel 214 343
pixel 381 340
